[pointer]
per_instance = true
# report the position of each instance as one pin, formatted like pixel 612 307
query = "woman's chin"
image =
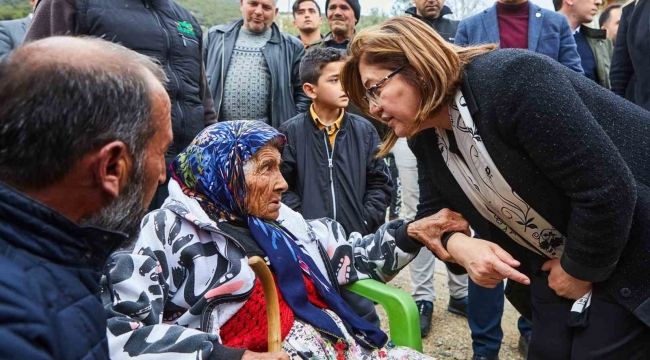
pixel 400 132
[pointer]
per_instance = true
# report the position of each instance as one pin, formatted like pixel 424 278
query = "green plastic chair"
pixel 403 316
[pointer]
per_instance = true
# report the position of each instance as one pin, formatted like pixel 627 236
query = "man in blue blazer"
pixel 508 21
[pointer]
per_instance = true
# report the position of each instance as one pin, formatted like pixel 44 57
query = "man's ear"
pixel 310 90
pixel 112 167
pixel 276 10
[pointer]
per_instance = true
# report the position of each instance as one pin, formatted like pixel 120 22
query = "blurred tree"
pixel 212 12
pixel 400 6
pixel 466 8
pixel 14 9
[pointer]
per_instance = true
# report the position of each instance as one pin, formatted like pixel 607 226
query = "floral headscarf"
pixel 211 168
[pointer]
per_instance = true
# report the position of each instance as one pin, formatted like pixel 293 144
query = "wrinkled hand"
pixel 249 355
pixel 430 229
pixel 487 264
pixel 564 284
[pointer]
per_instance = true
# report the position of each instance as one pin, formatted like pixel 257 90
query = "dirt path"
pixel 450 335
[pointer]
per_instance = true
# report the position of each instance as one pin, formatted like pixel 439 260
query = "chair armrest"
pixel 403 316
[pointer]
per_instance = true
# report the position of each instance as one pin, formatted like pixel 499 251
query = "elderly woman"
pixel 548 166
pixel 187 289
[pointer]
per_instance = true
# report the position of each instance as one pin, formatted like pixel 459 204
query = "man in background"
pixel 308 20
pixel 521 24
pixel 609 21
pixel 342 16
pixel 12 32
pixel 594 47
pixel 254 68
pixel 433 12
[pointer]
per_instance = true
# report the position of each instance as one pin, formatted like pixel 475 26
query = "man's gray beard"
pixel 125 213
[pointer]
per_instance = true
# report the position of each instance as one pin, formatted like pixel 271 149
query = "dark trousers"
pixel 485 308
pixel 613 333
pixel 396 194
pixel 362 306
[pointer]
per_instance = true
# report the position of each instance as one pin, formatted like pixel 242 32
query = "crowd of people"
pixel 143 161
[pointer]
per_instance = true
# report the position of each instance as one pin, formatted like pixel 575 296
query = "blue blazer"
pixel 548 33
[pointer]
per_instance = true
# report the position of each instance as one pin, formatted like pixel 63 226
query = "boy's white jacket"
pixel 185 278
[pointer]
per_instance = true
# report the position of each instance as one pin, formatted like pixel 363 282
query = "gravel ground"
pixel 450 336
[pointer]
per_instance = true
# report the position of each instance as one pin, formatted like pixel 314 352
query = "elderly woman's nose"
pixel 281 184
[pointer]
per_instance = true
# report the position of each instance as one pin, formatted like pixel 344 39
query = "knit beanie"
pixel 354 4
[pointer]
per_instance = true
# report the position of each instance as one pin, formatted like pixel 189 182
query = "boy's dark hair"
pixel 557 4
pixel 298 2
pixel 606 13
pixel 315 60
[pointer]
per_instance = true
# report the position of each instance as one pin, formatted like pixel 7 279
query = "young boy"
pixel 329 160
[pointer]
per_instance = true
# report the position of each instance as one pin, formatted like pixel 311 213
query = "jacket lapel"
pixel 535 20
pixel 491 24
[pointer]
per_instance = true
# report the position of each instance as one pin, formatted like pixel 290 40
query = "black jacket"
pixel 630 70
pixel 344 182
pixel 445 27
pixel 160 29
pixel 49 283
pixel 571 149
pixel 283 54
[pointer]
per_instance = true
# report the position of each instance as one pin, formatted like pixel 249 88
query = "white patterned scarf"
pixel 489 191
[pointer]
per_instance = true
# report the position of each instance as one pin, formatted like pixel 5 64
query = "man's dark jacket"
pixel 49 283
pixel 630 70
pixel 588 177
pixel 602 48
pixel 354 190
pixel 282 53
pixel 161 29
pixel 444 27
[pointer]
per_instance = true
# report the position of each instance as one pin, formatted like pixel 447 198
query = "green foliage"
pixel 14 9
pixel 400 6
pixel 212 12
pixel 376 17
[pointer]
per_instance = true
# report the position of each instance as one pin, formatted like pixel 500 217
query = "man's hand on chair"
pixel 249 355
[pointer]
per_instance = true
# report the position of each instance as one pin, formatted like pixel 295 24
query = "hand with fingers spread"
pixel 564 284
pixel 430 229
pixel 486 263
pixel 249 355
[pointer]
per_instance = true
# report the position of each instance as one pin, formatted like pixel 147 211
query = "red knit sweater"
pixel 513 25
pixel 248 329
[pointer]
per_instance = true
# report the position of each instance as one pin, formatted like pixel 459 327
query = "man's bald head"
pixel 70 95
pixel 84 128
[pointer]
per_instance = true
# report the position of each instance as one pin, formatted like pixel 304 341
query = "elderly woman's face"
pixel 264 184
pixel 398 101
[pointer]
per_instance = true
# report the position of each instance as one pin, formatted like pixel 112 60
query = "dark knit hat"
pixel 354 4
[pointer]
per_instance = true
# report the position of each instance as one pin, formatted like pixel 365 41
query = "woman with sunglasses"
pixel 550 168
